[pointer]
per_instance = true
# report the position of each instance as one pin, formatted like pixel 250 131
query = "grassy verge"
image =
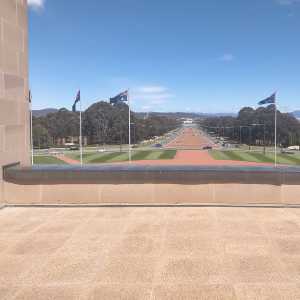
pixel 47 160
pixel 141 155
pixel 76 156
pixel 108 157
pixel 289 159
pixel 136 155
pixel 168 154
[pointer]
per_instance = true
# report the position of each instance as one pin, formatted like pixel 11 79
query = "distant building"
pixel 187 121
pixel 70 141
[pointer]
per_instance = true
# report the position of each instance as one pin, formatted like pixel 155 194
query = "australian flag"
pixel 122 97
pixel 269 100
pixel 29 97
pixel 76 101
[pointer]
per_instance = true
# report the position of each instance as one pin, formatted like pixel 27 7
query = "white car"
pixel 294 148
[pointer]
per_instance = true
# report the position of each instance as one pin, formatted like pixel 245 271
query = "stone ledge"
pixel 135 174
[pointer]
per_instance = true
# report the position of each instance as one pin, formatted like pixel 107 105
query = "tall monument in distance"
pixel 14 103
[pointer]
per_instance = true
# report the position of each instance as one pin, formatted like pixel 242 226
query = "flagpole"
pixel 80 128
pixel 31 131
pixel 129 128
pixel 275 137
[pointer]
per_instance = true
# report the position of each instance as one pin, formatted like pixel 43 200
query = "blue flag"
pixel 122 97
pixel 76 101
pixel 269 100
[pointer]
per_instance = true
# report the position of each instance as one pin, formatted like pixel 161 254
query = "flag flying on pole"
pixel 272 100
pixel 269 100
pixel 76 101
pixel 122 97
pixel 29 96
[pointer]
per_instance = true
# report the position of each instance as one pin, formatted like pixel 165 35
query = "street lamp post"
pixel 264 138
pixel 134 133
pixel 246 126
pixel 250 137
pixel 241 135
pixel 264 125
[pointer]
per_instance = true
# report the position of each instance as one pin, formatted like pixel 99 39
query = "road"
pixel 189 144
pixel 190 138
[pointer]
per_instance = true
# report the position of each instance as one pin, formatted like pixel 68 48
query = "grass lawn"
pixel 106 157
pixel 47 160
pixel 140 155
pixel 109 157
pixel 290 159
pixel 168 154
pixel 85 156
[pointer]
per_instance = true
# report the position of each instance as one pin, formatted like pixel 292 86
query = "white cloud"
pixel 227 57
pixel 151 95
pixel 146 107
pixel 151 89
pixel 36 4
pixel 287 2
pixel 161 97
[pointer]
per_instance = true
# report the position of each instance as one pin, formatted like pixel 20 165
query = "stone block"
pixel 70 194
pixel 22 14
pixel 9 112
pixel 13 36
pixel 2 140
pixel 290 194
pixel 177 193
pixel 8 10
pixel 14 138
pixel 14 87
pixel 10 60
pixel 127 193
pixel 247 193
pixel 21 194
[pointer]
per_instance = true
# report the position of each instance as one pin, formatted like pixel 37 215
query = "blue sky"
pixel 193 55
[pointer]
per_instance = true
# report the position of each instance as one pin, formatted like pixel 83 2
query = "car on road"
pixel 158 145
pixel 74 147
pixel 207 147
pixel 294 148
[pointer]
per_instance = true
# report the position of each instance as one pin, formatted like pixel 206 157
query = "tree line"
pixel 102 123
pixel 256 127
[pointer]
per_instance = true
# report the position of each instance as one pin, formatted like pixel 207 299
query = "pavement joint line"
pixel 225 205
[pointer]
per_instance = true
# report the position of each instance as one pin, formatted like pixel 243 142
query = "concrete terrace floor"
pixel 150 253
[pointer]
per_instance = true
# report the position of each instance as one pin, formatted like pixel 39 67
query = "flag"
pixel 76 101
pixel 122 97
pixel 269 100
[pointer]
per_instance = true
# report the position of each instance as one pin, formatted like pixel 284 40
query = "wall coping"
pixel 160 174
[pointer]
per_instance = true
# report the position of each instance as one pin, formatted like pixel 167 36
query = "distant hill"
pixel 296 114
pixel 43 112
pixel 183 114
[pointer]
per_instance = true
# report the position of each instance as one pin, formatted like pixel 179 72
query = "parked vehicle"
pixel 287 152
pixel 207 147
pixel 294 148
pixel 158 145
pixel 74 148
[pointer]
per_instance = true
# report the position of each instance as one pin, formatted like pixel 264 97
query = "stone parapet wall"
pixel 130 184
pixel 14 110
pixel 149 194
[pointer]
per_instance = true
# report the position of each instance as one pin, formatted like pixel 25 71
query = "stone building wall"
pixel 14 106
